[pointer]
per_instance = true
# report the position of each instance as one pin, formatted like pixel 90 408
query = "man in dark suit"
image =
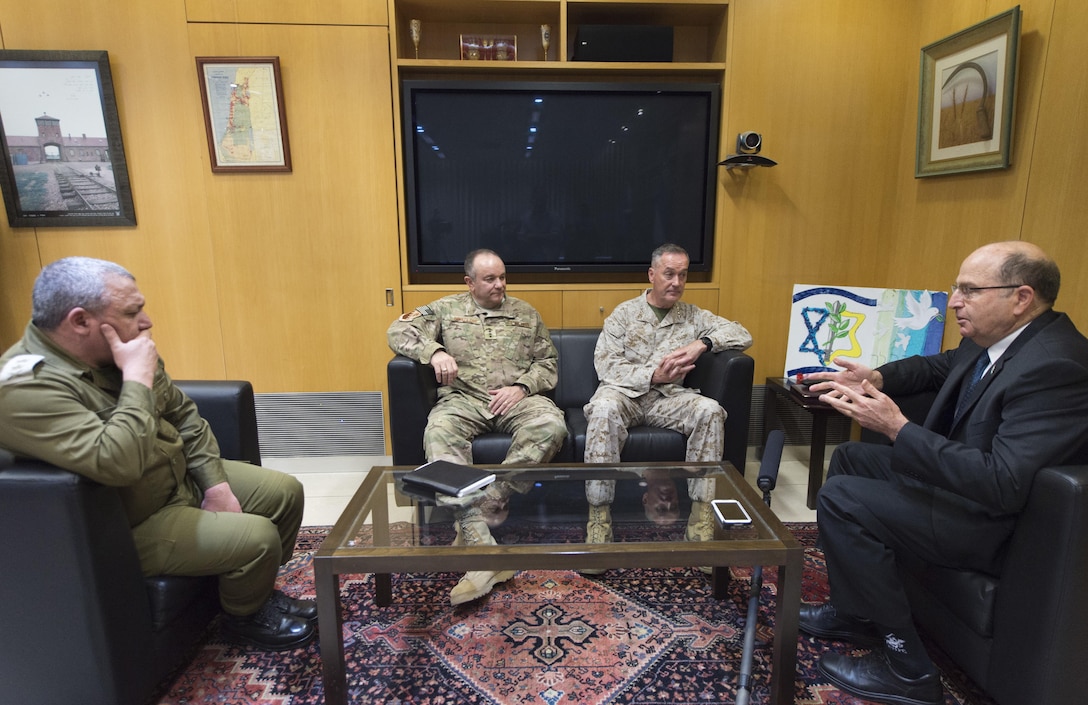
pixel 1012 398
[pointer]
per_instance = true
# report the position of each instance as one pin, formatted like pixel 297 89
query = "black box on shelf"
pixel 610 42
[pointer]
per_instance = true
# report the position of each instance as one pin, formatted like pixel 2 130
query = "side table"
pixel 820 412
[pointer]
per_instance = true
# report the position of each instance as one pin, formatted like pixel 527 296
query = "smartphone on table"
pixel 730 512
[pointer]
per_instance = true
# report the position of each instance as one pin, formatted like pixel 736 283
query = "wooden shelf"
pixel 419 68
pixel 699 30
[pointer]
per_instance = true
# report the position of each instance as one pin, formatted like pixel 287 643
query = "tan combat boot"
pixel 472 531
pixel 598 530
pixel 701 526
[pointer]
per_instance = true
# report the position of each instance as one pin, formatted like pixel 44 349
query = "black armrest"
pixel 726 377
pixel 1041 614
pixel 229 408
pixel 75 589
pixel 413 390
pixel 72 589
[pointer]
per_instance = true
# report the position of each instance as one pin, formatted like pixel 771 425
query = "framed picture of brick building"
pixel 60 139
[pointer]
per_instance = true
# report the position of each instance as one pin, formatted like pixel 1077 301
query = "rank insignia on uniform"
pixel 20 366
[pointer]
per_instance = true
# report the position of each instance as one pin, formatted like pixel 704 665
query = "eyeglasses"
pixel 968 292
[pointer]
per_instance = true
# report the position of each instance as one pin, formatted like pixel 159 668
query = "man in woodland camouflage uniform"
pixel 648 345
pixel 493 357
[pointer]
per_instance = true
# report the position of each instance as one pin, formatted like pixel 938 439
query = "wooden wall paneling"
pixel 939 220
pixel 1056 212
pixel 589 308
pixel 168 250
pixel 19 265
pixel 304 258
pixel 824 84
pixel 344 12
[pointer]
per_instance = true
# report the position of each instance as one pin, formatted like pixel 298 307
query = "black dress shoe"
pixel 871 677
pixel 269 629
pixel 303 609
pixel 824 622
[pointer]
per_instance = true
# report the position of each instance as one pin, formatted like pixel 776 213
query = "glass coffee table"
pixel 388 528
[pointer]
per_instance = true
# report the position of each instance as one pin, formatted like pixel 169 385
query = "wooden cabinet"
pixel 699 53
pixel 699 30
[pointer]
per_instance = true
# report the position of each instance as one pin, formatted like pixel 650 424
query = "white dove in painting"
pixel 921 311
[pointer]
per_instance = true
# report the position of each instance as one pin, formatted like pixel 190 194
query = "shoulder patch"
pixel 415 313
pixel 20 366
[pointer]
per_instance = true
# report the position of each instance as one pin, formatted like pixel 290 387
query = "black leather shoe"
pixel 871 677
pixel 269 629
pixel 824 622
pixel 303 609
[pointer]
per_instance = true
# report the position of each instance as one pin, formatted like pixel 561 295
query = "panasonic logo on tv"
pixel 561 269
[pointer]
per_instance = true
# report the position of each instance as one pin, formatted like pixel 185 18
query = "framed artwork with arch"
pixel 60 139
pixel 966 98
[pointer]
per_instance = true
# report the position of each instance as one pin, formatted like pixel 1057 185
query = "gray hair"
pixel 470 261
pixel 72 282
pixel 1040 273
pixel 667 249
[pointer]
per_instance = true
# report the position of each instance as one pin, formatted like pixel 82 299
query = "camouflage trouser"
pixel 535 423
pixel 610 413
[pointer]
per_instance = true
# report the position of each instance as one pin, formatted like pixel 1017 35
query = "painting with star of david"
pixel 870 324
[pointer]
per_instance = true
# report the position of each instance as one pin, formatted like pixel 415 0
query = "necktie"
pixel 965 394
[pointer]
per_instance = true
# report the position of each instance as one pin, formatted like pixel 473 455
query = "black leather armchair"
pixel 81 623
pixel 1019 635
pixel 725 376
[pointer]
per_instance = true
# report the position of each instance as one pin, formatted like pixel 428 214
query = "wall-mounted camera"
pixel 748 146
pixel 749 142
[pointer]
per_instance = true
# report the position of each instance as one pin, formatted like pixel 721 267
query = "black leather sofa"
pixel 1021 635
pixel 81 624
pixel 725 376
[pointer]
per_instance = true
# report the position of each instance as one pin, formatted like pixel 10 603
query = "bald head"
pixel 1023 263
pixel 1002 287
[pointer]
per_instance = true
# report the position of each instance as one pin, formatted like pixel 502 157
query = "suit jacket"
pixel 1029 412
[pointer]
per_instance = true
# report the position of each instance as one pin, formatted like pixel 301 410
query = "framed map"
pixel 244 114
pixel 62 163
pixel 872 325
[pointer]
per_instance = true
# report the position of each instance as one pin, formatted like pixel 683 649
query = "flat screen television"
pixel 568 177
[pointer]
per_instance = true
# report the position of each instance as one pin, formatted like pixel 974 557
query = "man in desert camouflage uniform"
pixel 648 345
pixel 492 357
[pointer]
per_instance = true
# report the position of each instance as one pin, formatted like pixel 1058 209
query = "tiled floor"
pixel 330 482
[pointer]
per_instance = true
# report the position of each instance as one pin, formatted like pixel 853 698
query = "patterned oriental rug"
pixel 651 637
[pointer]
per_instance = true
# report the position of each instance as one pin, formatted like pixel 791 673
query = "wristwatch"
pixel 708 343
pixel 523 387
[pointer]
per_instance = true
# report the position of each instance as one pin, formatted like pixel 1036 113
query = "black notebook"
pixel 449 478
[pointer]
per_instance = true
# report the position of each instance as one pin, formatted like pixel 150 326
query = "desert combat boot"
pixel 472 531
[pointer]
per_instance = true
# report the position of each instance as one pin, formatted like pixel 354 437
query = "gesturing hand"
pixel 853 375
pixel 137 358
pixel 867 405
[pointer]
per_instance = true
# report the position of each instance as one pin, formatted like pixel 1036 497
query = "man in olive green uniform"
pixel 85 390
pixel 492 356
pixel 647 347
